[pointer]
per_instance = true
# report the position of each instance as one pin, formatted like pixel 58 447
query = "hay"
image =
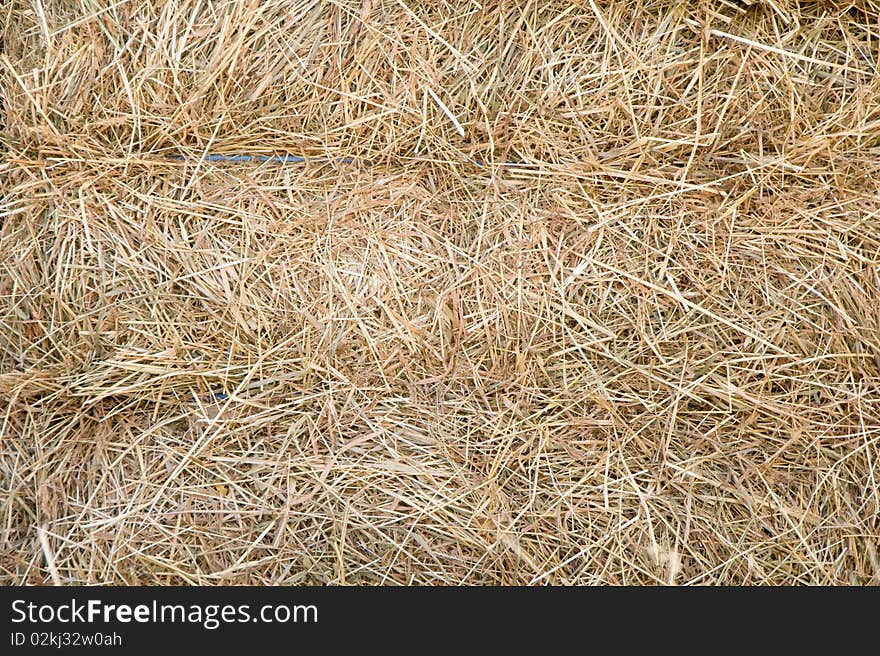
pixel 563 293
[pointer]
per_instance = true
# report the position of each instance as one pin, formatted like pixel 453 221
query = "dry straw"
pixel 645 350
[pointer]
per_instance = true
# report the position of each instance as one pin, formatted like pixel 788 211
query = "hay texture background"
pixel 596 299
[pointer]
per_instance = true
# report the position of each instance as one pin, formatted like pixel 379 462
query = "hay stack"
pixel 595 300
